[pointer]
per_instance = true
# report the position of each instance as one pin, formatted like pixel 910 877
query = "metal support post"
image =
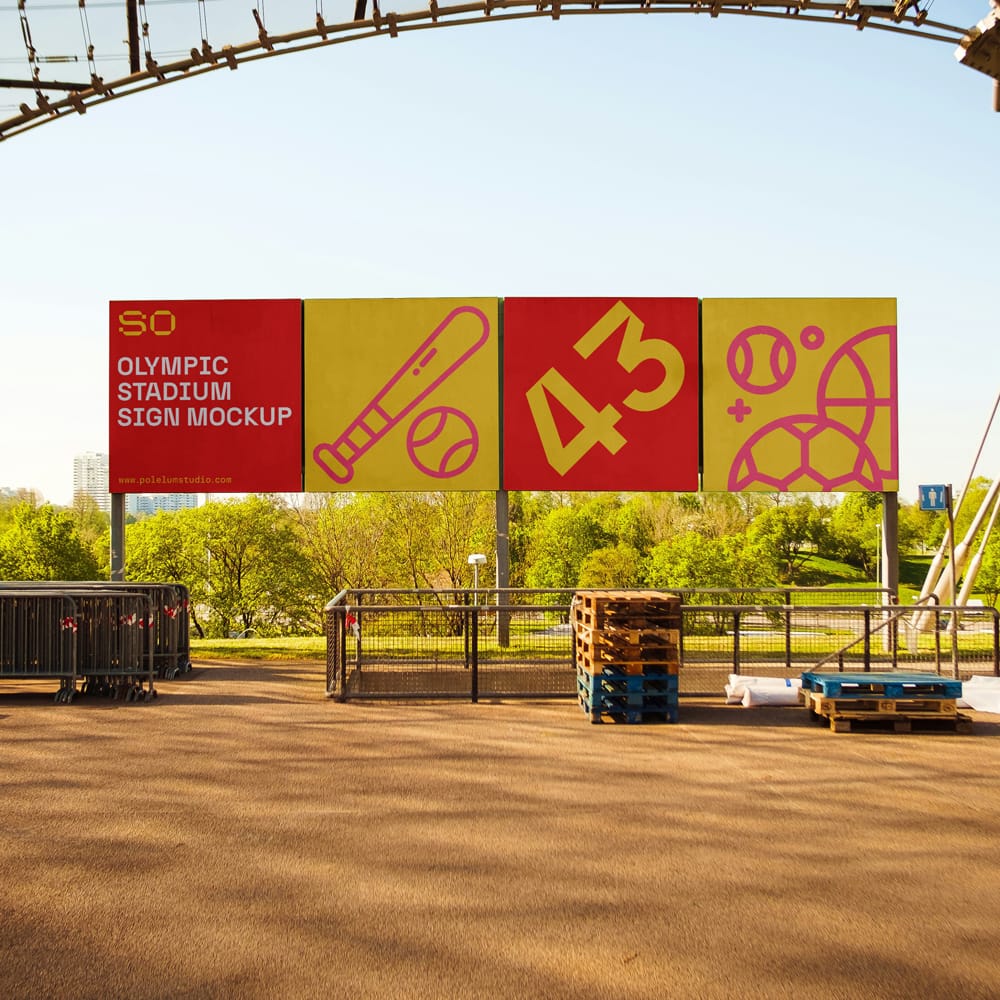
pixel 117 536
pixel 503 566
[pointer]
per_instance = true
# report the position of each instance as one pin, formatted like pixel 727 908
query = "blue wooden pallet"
pixel 662 684
pixel 628 702
pixel 881 685
pixel 631 716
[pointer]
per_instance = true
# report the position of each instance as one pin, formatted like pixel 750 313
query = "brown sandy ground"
pixel 242 836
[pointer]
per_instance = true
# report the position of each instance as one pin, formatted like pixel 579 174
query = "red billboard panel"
pixel 206 396
pixel 600 394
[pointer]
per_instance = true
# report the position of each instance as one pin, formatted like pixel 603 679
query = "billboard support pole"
pixel 889 555
pixel 117 536
pixel 503 565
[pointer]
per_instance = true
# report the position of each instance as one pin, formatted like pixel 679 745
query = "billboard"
pixel 600 394
pixel 205 396
pixel 603 394
pixel 402 394
pixel 800 395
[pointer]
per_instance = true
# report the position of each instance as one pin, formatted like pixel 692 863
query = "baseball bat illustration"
pixel 456 338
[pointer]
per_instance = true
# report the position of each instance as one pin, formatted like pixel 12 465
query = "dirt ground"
pixel 242 836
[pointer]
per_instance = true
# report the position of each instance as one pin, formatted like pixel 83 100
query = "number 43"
pixel 598 426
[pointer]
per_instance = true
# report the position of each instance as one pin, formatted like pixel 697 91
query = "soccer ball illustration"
pixel 805 453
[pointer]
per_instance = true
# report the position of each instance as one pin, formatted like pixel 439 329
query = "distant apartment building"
pixel 149 503
pixel 90 477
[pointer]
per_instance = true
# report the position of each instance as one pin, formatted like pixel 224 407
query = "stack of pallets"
pixel 898 702
pixel 627 655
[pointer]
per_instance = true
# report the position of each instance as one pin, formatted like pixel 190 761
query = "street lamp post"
pixel 476 560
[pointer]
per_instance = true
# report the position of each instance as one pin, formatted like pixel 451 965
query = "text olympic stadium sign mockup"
pixel 604 394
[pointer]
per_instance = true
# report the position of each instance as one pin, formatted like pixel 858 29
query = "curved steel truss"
pixel 149 67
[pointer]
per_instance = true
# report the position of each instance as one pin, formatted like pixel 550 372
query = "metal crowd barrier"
pixel 37 638
pixel 113 639
pixel 472 645
pixel 169 607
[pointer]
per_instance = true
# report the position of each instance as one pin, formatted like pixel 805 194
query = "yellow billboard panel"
pixel 401 394
pixel 799 395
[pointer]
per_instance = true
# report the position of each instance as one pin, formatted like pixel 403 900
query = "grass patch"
pixel 306 647
pixel 818 572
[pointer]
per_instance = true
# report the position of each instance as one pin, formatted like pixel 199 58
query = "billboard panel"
pixel 205 396
pixel 600 394
pixel 401 394
pixel 800 395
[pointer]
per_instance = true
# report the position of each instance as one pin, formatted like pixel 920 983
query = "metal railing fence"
pixel 112 638
pixel 520 643
pixel 37 638
pixel 169 608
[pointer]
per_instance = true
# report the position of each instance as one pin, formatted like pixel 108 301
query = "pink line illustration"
pixel 455 339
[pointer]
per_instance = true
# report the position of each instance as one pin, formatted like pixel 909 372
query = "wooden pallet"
pixel 597 686
pixel 881 685
pixel 621 668
pixel 821 705
pixel 630 715
pixel 627 609
pixel 598 650
pixel 601 700
pixel 884 722
pixel 629 644
pixel 617 637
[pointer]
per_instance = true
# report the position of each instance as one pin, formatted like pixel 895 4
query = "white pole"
pixel 932 584
pixel 952 572
pixel 977 559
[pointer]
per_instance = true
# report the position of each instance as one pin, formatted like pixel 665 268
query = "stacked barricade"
pixel 114 638
pixel 627 651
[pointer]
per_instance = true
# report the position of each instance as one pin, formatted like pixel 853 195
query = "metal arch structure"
pixel 977 47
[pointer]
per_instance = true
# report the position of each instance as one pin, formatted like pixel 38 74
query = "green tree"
pixel 561 542
pixel 734 563
pixel 526 510
pixel 347 540
pixel 631 524
pixel 919 530
pixel 41 543
pixel 242 561
pixel 258 576
pixel 169 548
pixel 854 530
pixel 93 526
pixel 788 533
pixel 618 567
pixel 988 578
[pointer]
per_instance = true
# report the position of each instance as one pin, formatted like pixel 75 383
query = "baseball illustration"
pixel 442 442
pixel 761 359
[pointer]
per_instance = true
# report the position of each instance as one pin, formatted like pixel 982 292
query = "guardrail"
pixel 518 643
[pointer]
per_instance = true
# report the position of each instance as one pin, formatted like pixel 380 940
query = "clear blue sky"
pixel 634 155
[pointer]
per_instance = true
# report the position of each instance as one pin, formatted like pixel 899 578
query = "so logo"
pixel 134 322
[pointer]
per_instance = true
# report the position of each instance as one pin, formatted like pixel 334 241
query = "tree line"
pixel 269 563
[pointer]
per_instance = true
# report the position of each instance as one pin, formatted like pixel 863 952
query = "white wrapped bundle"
pixel 738 686
pixel 757 695
pixel 981 693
